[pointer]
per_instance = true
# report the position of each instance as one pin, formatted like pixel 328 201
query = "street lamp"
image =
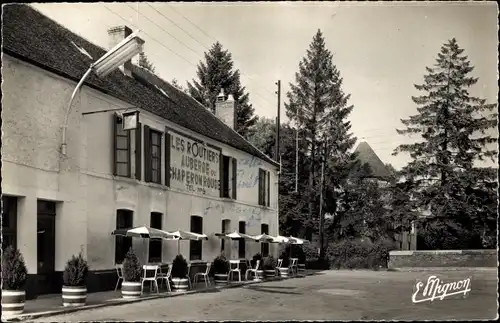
pixel 115 57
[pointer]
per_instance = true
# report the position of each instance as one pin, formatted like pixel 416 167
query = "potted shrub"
pixel 132 272
pixel 179 273
pixel 74 290
pixel 14 277
pixel 269 267
pixel 221 268
pixel 284 266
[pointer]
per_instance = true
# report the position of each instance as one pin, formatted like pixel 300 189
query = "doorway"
pixel 46 247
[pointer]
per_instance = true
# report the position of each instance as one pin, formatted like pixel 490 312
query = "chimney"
pixel 116 35
pixel 225 110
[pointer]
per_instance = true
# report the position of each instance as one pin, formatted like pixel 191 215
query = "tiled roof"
pixel 366 155
pixel 36 39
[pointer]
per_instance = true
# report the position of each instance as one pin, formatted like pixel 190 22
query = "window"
pixel 195 247
pixel 124 220
pixel 155 245
pixel 264 187
pixel 264 246
pixel 225 176
pixel 152 155
pixel 242 245
pixel 228 175
pixel 9 222
pixel 225 229
pixel 122 165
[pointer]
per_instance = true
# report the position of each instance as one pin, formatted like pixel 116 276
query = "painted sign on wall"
pixel 194 167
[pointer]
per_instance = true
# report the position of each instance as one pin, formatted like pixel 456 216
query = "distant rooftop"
pixel 366 155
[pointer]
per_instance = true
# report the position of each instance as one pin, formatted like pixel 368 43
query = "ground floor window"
pixel 9 221
pixel 155 245
pixel 225 229
pixel 195 247
pixel 242 242
pixel 124 220
pixel 264 246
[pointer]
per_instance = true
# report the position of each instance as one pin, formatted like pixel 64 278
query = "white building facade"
pixel 161 175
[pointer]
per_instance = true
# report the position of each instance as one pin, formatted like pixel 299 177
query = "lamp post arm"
pixel 68 110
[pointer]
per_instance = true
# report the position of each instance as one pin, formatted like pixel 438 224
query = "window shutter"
pixel 114 120
pixel 260 187
pixel 268 189
pixel 129 166
pixel 221 174
pixel 167 158
pixel 235 171
pixel 138 151
pixel 147 154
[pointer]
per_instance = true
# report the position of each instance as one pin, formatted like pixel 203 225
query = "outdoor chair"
pixel 119 273
pixel 293 266
pixel 151 276
pixel 189 275
pixel 204 275
pixel 278 266
pixel 253 270
pixel 234 267
pixel 165 277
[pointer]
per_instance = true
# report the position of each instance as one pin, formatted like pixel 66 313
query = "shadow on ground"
pixel 268 290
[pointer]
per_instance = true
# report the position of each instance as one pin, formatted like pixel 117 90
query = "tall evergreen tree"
pixel 319 109
pixel 217 73
pixel 145 63
pixel 454 129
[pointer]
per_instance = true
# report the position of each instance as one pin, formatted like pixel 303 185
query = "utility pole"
pixel 277 155
pixel 321 217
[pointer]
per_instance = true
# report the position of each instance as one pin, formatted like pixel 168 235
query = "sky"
pixel 381 49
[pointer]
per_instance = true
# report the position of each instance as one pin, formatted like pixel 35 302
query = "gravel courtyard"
pixel 328 295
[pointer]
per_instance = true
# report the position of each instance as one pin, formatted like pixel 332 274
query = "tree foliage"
pixel 442 178
pixel 178 86
pixel 145 63
pixel 132 271
pixel 75 272
pixel 14 272
pixel 215 74
pixel 319 109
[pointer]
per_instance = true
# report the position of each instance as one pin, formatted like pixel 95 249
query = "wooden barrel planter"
pixel 180 284
pixel 220 279
pixel 13 302
pixel 284 272
pixel 269 273
pixel 74 295
pixel 131 290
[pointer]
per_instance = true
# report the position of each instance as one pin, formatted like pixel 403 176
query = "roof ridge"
pixel 201 106
pixel 47 44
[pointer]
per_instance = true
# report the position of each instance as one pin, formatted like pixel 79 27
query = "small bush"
pixel 310 253
pixel 256 257
pixel 75 272
pixel 14 272
pixel 132 270
pixel 360 254
pixel 269 263
pixel 179 267
pixel 221 265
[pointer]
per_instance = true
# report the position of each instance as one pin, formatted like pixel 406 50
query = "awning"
pixel 186 235
pixel 264 238
pixel 235 236
pixel 143 232
pixel 294 240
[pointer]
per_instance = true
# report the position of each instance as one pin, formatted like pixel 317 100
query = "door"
pixel 46 247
